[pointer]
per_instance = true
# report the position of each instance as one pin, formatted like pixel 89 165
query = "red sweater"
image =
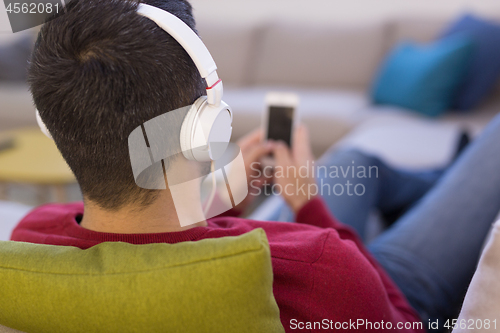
pixel 322 271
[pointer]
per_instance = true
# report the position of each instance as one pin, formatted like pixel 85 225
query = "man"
pixel 100 70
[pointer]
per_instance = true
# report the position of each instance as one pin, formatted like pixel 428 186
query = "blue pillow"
pixel 485 63
pixel 424 78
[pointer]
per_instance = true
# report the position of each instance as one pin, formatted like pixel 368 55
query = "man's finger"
pixel 250 139
pixel 302 146
pixel 282 155
pixel 257 151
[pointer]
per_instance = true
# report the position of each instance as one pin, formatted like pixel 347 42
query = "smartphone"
pixel 279 119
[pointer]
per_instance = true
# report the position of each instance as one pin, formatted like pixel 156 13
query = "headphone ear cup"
pixel 206 131
pixel 187 128
pixel 220 131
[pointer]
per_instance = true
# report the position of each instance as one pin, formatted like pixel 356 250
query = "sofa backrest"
pixel 319 55
pixel 233 47
pixel 310 54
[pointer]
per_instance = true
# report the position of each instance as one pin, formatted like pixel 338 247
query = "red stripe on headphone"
pixel 213 85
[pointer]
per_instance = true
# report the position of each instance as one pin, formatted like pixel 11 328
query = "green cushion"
pixel 212 285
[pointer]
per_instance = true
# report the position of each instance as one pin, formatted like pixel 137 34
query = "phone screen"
pixel 280 124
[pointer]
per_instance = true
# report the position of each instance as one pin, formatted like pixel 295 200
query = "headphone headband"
pixel 193 45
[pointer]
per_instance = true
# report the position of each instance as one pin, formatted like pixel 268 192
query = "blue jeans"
pixel 432 250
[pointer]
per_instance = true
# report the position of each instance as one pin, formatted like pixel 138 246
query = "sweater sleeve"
pixel 316 213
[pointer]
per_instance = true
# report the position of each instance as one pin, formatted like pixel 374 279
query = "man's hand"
pixel 293 170
pixel 253 148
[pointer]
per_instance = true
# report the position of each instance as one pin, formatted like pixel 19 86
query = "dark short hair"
pixel 97 72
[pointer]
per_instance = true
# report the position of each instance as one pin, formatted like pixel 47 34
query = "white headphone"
pixel 206 129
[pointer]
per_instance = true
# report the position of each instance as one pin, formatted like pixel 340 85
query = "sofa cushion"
pixel 484 70
pixel 423 78
pixel 212 285
pixel 404 139
pixel 319 55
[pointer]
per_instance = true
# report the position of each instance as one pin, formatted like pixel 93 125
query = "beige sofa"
pixel 330 64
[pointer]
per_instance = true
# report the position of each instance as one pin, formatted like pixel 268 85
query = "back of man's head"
pixel 100 70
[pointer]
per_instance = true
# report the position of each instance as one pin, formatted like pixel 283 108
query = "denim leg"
pixel 373 184
pixel 431 252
